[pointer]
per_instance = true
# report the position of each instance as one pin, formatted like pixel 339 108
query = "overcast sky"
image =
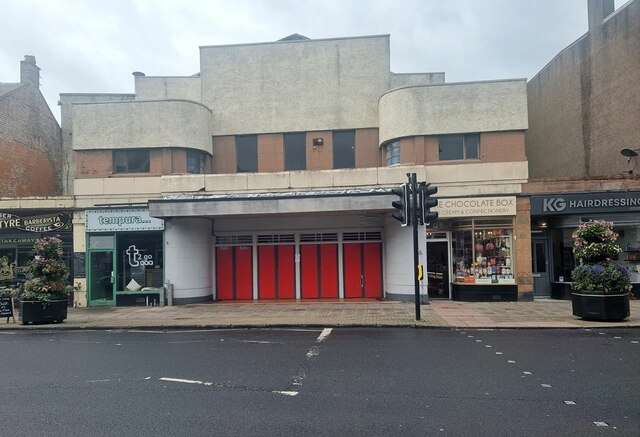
pixel 93 46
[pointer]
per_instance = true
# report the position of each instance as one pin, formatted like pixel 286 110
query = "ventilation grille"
pixel 311 238
pixel 226 240
pixel 362 236
pixel 285 238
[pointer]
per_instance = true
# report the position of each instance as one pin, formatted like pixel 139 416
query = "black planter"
pixel 36 312
pixel 600 306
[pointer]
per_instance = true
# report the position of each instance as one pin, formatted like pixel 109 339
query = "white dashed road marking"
pixel 185 381
pixel 324 334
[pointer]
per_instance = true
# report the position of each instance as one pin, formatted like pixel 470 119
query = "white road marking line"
pixel 286 393
pixel 601 423
pixel 617 337
pixel 487 345
pixel 324 334
pixel 546 385
pixel 148 377
pixel 569 402
pixel 527 373
pixel 100 380
pixel 254 341
pixel 600 333
pixel 634 341
pixel 511 362
pixel 478 341
pixel 498 353
pixel 184 381
pixel 141 331
pixel 313 352
pixel 8 333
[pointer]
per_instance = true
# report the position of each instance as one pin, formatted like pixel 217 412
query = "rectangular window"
pixel 456 147
pixel 344 149
pixel 483 255
pixel 195 161
pixel 295 155
pixel 139 258
pixel 247 153
pixel 131 161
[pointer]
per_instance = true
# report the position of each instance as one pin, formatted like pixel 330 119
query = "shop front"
pixel 124 257
pixel 554 217
pixel 19 231
pixel 471 251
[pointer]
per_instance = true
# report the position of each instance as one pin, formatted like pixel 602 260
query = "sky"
pixel 93 46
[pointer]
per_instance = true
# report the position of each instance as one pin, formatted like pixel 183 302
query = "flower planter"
pixel 601 307
pixel 37 312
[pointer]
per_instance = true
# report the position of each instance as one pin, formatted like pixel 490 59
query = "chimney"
pixel 29 71
pixel 598 10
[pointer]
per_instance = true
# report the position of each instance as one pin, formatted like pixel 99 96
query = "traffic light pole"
pixel 414 220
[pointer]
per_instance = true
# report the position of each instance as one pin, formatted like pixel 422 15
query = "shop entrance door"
pixel 540 267
pixel 101 278
pixel 437 274
pixel 362 270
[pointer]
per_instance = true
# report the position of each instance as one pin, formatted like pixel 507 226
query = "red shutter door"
pixel 224 272
pixel 352 270
pixel 329 270
pixel 244 273
pixel 372 269
pixel 266 272
pixel 286 272
pixel 309 271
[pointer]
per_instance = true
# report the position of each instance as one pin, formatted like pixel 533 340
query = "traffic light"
pixel 402 204
pixel 426 203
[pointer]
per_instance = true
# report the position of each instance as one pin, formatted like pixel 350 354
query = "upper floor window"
pixel 195 161
pixel 247 153
pixel 452 147
pixel 344 149
pixel 131 161
pixel 295 155
pixel 392 153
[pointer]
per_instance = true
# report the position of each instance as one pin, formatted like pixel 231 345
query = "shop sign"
pixel 110 220
pixel 36 223
pixel 585 203
pixel 476 206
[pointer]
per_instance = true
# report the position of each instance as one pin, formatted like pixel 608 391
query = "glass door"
pixel 437 268
pixel 101 278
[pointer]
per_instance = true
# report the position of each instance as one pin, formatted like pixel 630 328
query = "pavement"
pixel 542 313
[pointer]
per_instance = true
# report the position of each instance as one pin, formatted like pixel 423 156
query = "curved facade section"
pixel 453 108
pixel 142 124
pixel 188 248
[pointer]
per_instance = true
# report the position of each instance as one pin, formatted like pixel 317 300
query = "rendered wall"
pixel 584 106
pixel 188 254
pixel 453 108
pixel 292 86
pixel 168 88
pixel 141 124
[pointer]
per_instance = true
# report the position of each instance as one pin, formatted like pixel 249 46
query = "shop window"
pixel 195 161
pixel 295 156
pixel 247 153
pixel 139 258
pixel 344 149
pixel 392 153
pixel 458 147
pixel 483 255
pixel 131 161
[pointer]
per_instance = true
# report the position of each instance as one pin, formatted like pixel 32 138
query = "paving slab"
pixel 545 313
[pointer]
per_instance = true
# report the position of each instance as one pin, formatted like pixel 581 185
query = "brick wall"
pixel 25 171
pixel 25 119
pixel 494 147
pixel 522 234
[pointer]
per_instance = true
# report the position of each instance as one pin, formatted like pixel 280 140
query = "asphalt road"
pixel 340 382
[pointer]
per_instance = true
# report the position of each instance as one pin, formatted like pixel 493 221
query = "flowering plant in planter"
pixel 594 244
pixel 47 271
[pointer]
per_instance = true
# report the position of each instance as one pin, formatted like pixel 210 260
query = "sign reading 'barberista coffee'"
pixel 37 223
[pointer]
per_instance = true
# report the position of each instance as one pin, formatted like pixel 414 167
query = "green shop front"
pixel 124 257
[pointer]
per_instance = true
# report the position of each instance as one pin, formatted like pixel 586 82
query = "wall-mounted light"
pixel 543 224
pixel 318 142
pixel 629 153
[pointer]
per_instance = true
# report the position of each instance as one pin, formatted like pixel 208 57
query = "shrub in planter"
pixel 44 296
pixel 600 288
